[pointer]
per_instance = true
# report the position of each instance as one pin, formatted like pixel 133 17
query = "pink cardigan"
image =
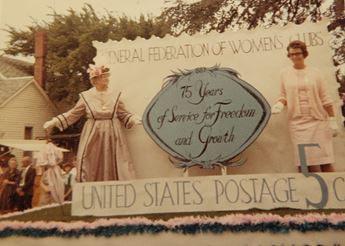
pixel 316 91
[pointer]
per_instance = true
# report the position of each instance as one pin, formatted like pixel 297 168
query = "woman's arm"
pixel 283 101
pixel 128 119
pixel 64 120
pixel 282 91
pixel 73 115
pixel 326 100
pixel 11 183
pixel 15 182
pixel 329 109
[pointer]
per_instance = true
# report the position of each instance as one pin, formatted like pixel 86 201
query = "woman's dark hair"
pixel 297 44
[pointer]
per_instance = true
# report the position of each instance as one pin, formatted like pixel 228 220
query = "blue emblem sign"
pixel 206 116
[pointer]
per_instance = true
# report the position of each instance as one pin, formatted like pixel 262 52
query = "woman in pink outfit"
pixel 310 111
pixel 103 153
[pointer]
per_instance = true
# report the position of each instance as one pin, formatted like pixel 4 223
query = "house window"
pixel 28 132
pixel 28 135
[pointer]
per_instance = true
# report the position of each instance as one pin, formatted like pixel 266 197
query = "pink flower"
pixel 95 71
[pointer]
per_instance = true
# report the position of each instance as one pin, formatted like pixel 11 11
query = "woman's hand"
pixel 332 122
pixel 20 191
pixel 49 125
pixel 7 182
pixel 134 120
pixel 277 108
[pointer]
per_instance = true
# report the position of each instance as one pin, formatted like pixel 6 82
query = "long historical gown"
pixel 103 153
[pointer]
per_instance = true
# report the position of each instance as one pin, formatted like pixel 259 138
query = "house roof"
pixel 10 87
pixel 15 76
pixel 13 68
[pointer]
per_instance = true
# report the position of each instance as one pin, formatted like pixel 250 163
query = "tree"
pixel 69 46
pixel 337 26
pixel 70 36
pixel 219 15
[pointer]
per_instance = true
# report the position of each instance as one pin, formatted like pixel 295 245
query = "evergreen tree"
pixel 69 46
pixel 208 15
pixel 70 36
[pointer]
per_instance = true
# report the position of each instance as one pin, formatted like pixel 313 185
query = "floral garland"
pixel 186 225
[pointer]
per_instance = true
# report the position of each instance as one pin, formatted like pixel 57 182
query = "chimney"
pixel 40 52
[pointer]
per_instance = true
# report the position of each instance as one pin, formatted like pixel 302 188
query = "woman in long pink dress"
pixel 311 117
pixel 103 153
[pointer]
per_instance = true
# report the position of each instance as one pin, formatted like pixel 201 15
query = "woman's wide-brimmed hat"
pixel 95 71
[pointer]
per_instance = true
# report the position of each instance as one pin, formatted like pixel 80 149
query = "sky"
pixel 20 17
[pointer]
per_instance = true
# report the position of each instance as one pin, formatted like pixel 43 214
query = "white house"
pixel 24 105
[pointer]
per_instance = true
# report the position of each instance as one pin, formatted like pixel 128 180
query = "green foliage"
pixel 207 15
pixel 69 45
pixel 70 36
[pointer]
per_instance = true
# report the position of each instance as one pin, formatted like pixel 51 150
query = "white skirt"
pixel 307 130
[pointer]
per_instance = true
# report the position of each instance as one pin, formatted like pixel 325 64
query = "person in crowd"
pixel 311 117
pixel 3 166
pixel 70 174
pixel 4 163
pixel 3 170
pixel 103 153
pixel 10 184
pixel 52 183
pixel 343 106
pixel 26 184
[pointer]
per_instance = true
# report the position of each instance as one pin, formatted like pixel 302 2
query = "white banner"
pixel 211 193
pixel 139 68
